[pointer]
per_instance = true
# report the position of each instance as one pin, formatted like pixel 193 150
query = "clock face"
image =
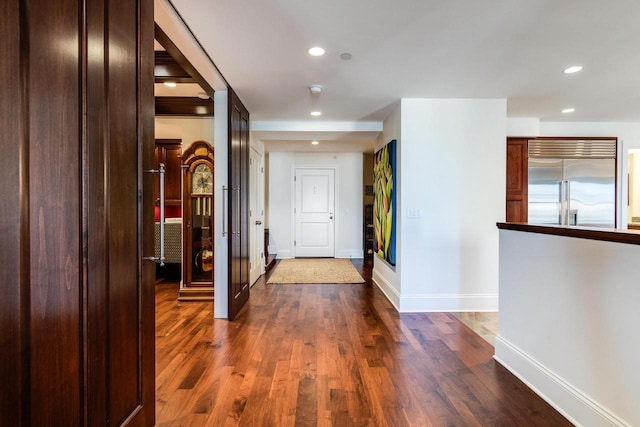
pixel 202 180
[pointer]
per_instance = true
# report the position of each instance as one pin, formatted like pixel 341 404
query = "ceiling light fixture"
pixel 316 113
pixel 315 89
pixel 345 56
pixel 316 51
pixel 203 95
pixel 568 110
pixel 573 69
pixel 315 142
pixel 170 84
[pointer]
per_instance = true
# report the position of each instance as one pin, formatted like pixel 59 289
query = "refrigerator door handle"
pixel 565 197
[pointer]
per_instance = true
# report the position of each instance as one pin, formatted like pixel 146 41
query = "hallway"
pixel 327 355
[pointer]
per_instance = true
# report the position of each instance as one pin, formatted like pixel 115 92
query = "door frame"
pixel 256 209
pixel 336 217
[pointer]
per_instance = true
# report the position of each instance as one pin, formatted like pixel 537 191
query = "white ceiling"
pixel 513 49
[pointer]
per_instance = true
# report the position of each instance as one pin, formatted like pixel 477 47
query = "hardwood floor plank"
pixel 330 355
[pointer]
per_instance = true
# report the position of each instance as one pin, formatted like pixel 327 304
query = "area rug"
pixel 315 270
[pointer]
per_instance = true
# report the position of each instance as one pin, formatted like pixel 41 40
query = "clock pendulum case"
pixel 197 223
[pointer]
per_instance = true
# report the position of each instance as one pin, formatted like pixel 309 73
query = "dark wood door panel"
pixel 517 166
pixel 517 180
pixel 55 257
pixel 238 205
pixel 77 312
pixel 13 167
pixel 124 286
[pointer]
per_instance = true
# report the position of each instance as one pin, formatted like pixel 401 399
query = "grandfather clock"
pixel 197 223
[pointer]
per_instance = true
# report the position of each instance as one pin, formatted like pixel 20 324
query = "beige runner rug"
pixel 315 270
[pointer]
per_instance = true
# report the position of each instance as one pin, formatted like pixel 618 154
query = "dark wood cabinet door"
pixel 76 128
pixel 169 152
pixel 517 180
pixel 238 205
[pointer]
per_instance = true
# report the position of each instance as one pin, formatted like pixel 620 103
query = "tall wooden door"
pixel 314 212
pixel 238 205
pixel 76 131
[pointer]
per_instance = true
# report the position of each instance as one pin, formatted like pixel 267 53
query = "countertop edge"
pixel 604 234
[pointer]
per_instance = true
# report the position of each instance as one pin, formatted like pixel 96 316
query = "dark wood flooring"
pixel 330 355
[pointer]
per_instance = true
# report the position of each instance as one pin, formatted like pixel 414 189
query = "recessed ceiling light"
pixel 314 143
pixel 345 56
pixel 316 113
pixel 573 69
pixel 316 51
pixel 568 110
pixel 170 84
pixel 203 95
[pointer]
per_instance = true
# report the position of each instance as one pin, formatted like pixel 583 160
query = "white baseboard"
pixel 284 254
pixel 568 400
pixel 350 253
pixel 387 288
pixel 423 303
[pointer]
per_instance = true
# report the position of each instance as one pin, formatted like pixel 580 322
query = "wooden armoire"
pixel 76 217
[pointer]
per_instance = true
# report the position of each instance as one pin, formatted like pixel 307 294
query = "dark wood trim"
pixel 182 60
pixel 608 235
pixel 168 141
pixel 167 69
pixel 183 106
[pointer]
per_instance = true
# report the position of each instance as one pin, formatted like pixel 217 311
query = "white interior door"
pixel 314 212
pixel 256 216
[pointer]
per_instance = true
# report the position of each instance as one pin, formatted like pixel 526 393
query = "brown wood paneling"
pixel 168 70
pixel 122 208
pixel 54 205
pixel 95 220
pixel 183 106
pixel 70 217
pixel 517 180
pixel 14 274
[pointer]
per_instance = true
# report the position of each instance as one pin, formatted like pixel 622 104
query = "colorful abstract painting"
pixel 384 205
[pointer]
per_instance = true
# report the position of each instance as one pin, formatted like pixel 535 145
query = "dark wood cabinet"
pixel 517 180
pixel 238 213
pixel 169 152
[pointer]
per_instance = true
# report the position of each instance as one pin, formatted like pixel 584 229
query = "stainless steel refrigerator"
pixel 572 182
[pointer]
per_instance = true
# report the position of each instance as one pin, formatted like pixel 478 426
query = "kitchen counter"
pixel 592 233
pixel 568 304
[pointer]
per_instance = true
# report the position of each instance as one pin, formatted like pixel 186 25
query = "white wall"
pixel 453 171
pixel 385 277
pixel 569 323
pixel 348 219
pixel 188 129
pixel 220 254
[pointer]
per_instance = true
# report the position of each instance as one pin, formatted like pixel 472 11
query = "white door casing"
pixel 314 212
pixel 256 216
